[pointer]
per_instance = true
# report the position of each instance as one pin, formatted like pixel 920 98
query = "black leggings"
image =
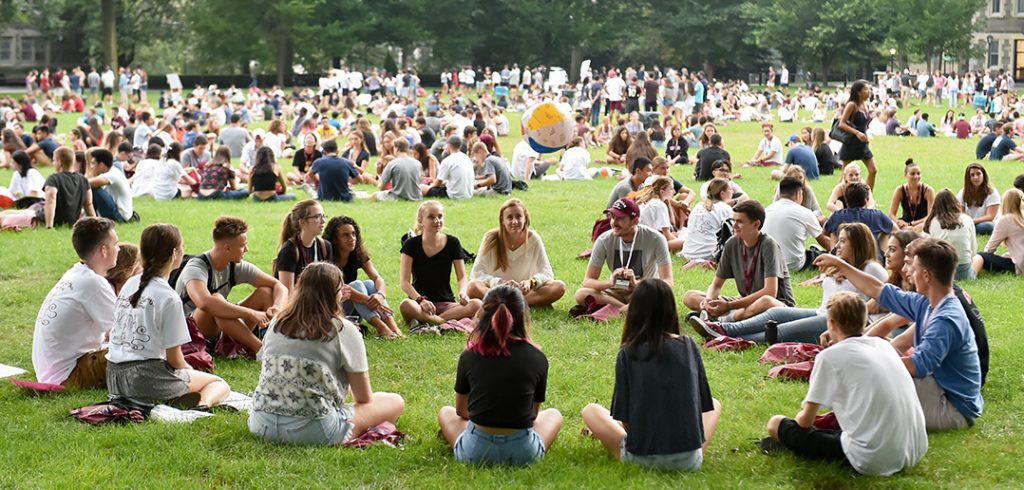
pixel 997 263
pixel 811 443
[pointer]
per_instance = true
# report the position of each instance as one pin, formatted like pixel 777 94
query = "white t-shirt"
pixel 736 189
pixel 766 147
pixel 703 227
pixel 157 178
pixel 72 321
pixel 830 286
pixel 146 331
pixel 791 224
pixel 614 87
pixel 457 171
pixel 992 199
pixel 654 213
pixel 866 384
pixel 522 153
pixel 121 191
pixel 964 238
pixel 574 163
pixel 529 261
pixel 22 186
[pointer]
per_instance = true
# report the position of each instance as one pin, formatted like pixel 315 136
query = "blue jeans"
pixel 795 325
pixel 105 205
pixel 235 194
pixel 965 272
pixel 519 448
pixel 686 461
pixel 276 197
pixel 595 113
pixel 366 287
pixel 331 430
pixel 984 228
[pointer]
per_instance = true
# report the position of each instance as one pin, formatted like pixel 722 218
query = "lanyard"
pixel 748 271
pixel 624 262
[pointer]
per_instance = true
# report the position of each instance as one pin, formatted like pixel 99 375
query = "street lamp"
pixel 892 57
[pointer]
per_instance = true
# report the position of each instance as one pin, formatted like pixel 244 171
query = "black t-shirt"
pixel 427 136
pixel 302 162
pixel 662 397
pixel 371 142
pixel 503 389
pixel 677 147
pixel 826 160
pixel 651 91
pixel 359 159
pixel 71 188
pixel 633 91
pixel 350 269
pixel 706 158
pixel 290 261
pixel 431 276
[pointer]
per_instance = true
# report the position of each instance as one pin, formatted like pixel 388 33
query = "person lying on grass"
pixel 499 386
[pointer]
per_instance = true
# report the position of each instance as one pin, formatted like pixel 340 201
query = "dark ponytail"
pixel 157 247
pixel 502 321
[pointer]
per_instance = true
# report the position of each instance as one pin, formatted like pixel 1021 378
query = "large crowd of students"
pixel 906 351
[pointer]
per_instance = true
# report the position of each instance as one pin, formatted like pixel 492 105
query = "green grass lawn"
pixel 43 447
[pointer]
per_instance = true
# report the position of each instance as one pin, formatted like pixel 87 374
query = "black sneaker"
pixel 771 333
pixel 771 446
pixel 708 330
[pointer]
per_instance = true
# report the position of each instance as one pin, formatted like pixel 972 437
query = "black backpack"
pixel 176 273
pixel 724 234
pixel 319 243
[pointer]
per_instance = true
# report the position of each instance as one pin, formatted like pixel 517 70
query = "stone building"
pixel 1002 37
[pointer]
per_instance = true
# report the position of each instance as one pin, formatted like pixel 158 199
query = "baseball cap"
pixel 624 207
pixel 259 133
pixel 794 138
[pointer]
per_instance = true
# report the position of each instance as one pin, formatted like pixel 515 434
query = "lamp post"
pixel 988 51
pixel 892 58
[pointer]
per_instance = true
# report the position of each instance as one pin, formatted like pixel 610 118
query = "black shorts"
pixel 108 91
pixel 811 443
pixel 437 192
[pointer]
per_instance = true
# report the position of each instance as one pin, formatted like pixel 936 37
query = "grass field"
pixel 43 447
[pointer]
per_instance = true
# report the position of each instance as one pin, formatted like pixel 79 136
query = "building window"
pixel 993 52
pixel 28 50
pixel 996 7
pixel 1020 7
pixel 6 48
pixel 1018 63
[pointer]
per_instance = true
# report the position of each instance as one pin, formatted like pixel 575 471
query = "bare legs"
pixel 544 295
pixel 212 390
pixel 384 407
pixel 211 326
pixel 412 310
pixel 610 431
pixel 547 425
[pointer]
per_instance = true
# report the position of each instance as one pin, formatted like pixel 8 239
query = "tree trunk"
pixel 709 69
pixel 284 59
pixel 824 71
pixel 109 20
pixel 575 59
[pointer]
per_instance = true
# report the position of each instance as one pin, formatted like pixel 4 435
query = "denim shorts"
pixel 328 431
pixel 519 448
pixel 685 461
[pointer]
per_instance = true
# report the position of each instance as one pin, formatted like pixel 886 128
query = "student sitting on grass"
pixel 791 224
pixel 312 358
pixel 514 254
pixel 882 427
pixel 631 252
pixel 206 281
pixel 947 221
pixel 1009 229
pixel 857 195
pixel 668 427
pixel 654 201
pixel 500 384
pixel 128 265
pixel 945 362
pixel 364 297
pixel 67 195
pixel 145 360
pixel 77 313
pixel 111 193
pixel 758 266
pixel 706 220
pixel 979 198
pixel 914 198
pixel 425 270
pixel 300 244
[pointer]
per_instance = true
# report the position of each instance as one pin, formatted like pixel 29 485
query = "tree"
pixel 707 35
pixel 930 28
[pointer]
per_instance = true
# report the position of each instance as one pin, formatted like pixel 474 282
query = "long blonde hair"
pixel 652 191
pixel 496 240
pixel 715 189
pixel 1013 205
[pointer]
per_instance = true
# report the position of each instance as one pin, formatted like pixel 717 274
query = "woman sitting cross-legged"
pixel 499 386
pixel 312 358
pixel 144 360
pixel 663 415
pixel 857 246
pixel 514 254
pixel 366 297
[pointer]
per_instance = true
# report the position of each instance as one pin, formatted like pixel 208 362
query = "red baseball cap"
pixel 624 207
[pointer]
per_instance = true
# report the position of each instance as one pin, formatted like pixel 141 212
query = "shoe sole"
pixel 701 329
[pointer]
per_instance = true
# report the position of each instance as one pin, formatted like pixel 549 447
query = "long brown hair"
pixel 902 239
pixel 157 246
pixel 127 259
pixel 313 305
pixel 865 248
pixel 975 196
pixel 946 209
pixel 496 240
pixel 617 145
pixel 290 226
pixel 640 147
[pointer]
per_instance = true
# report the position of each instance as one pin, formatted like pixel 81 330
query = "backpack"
pixel 724 234
pixel 176 273
pixel 319 243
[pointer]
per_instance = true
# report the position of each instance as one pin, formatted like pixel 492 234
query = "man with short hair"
pixel 1004 148
pixel 527 163
pixel 706 157
pixel 248 156
pixel 802 155
pixel 984 145
pixel 882 426
pixel 856 196
pixel 790 224
pixel 961 127
pixel 140 139
pixel 206 281
pixel 925 128
pixel 330 174
pixel 234 136
pixel 755 261
pixel 43 148
pixel 492 174
pixel 455 175
pixel 197 156
pixel 403 174
pixel 944 363
pixel 78 312
pixel 111 193
pixel 631 251
pixel 641 171
pixel 427 135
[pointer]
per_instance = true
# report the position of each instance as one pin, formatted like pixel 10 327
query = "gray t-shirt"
pixel 235 137
pixel 189 159
pixel 649 250
pixel 765 260
pixel 621 190
pixel 494 165
pixel 195 270
pixel 404 176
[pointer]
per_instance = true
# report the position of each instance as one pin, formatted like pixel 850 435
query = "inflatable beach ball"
pixel 548 126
